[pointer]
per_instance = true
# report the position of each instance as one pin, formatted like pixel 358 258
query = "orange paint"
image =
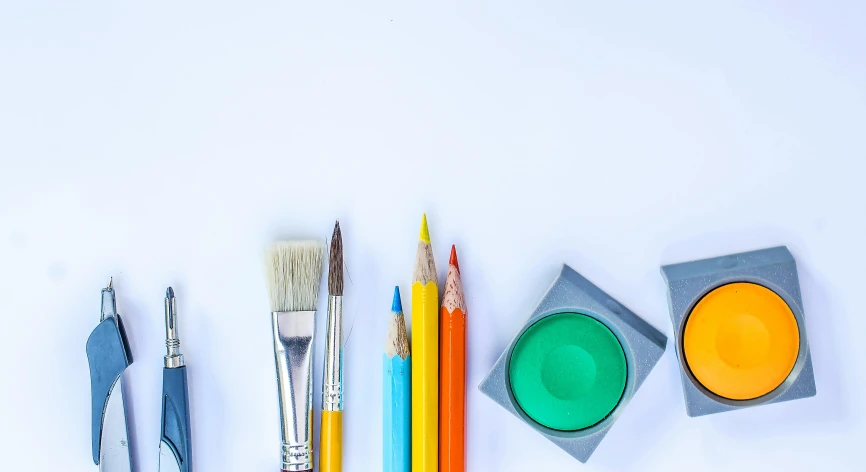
pixel 452 365
pixel 741 341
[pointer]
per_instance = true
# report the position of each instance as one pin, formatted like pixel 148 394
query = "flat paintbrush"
pixel 294 272
pixel 331 441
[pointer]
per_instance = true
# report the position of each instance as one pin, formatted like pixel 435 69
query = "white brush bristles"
pixel 294 273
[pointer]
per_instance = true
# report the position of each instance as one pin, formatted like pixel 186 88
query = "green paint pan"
pixel 572 368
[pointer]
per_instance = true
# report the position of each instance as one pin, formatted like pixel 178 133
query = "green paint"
pixel 567 371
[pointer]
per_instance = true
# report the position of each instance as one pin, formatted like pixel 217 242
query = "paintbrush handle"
pixel 331 447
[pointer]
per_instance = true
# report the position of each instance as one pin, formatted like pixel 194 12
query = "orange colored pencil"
pixel 452 384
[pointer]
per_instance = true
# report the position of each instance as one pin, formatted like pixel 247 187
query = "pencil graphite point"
pixel 397 305
pixel 425 232
pixel 453 259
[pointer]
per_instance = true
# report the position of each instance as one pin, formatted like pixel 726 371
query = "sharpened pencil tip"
pixel 425 233
pixel 397 305
pixel 169 293
pixel 453 259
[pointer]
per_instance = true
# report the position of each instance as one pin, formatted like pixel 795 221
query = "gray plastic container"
pixel 642 344
pixel 689 282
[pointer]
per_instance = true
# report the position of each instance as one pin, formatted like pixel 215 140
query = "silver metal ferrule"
pixel 293 352
pixel 173 357
pixel 332 380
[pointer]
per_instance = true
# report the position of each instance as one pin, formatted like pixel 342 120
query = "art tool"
pixel 331 441
pixel 740 331
pixel 425 375
pixel 452 410
pixel 571 370
pixel 175 444
pixel 294 271
pixel 396 393
pixel 108 355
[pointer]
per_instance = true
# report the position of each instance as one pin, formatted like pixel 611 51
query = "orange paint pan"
pixel 740 331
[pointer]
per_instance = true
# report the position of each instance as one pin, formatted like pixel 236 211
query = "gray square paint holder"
pixel 642 345
pixel 689 282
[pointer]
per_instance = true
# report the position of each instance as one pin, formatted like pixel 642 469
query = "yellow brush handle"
pixel 331 446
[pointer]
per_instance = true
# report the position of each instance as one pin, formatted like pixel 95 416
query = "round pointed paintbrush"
pixel 331 441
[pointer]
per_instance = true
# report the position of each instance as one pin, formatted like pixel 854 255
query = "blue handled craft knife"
pixel 175 448
pixel 108 355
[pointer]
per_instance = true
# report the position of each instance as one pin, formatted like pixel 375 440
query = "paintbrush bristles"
pixel 335 263
pixel 294 272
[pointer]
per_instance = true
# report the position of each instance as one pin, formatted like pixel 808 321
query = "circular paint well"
pixel 741 341
pixel 567 371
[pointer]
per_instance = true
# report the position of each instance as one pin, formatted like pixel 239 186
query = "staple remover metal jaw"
pixel 108 355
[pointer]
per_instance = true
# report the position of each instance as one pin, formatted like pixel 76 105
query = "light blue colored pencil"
pixel 397 393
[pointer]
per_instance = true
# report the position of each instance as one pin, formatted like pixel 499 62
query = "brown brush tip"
pixel 335 263
pixel 453 259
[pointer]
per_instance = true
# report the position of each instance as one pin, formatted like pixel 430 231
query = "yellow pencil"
pixel 425 358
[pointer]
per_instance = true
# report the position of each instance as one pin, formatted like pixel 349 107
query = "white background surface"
pixel 166 143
